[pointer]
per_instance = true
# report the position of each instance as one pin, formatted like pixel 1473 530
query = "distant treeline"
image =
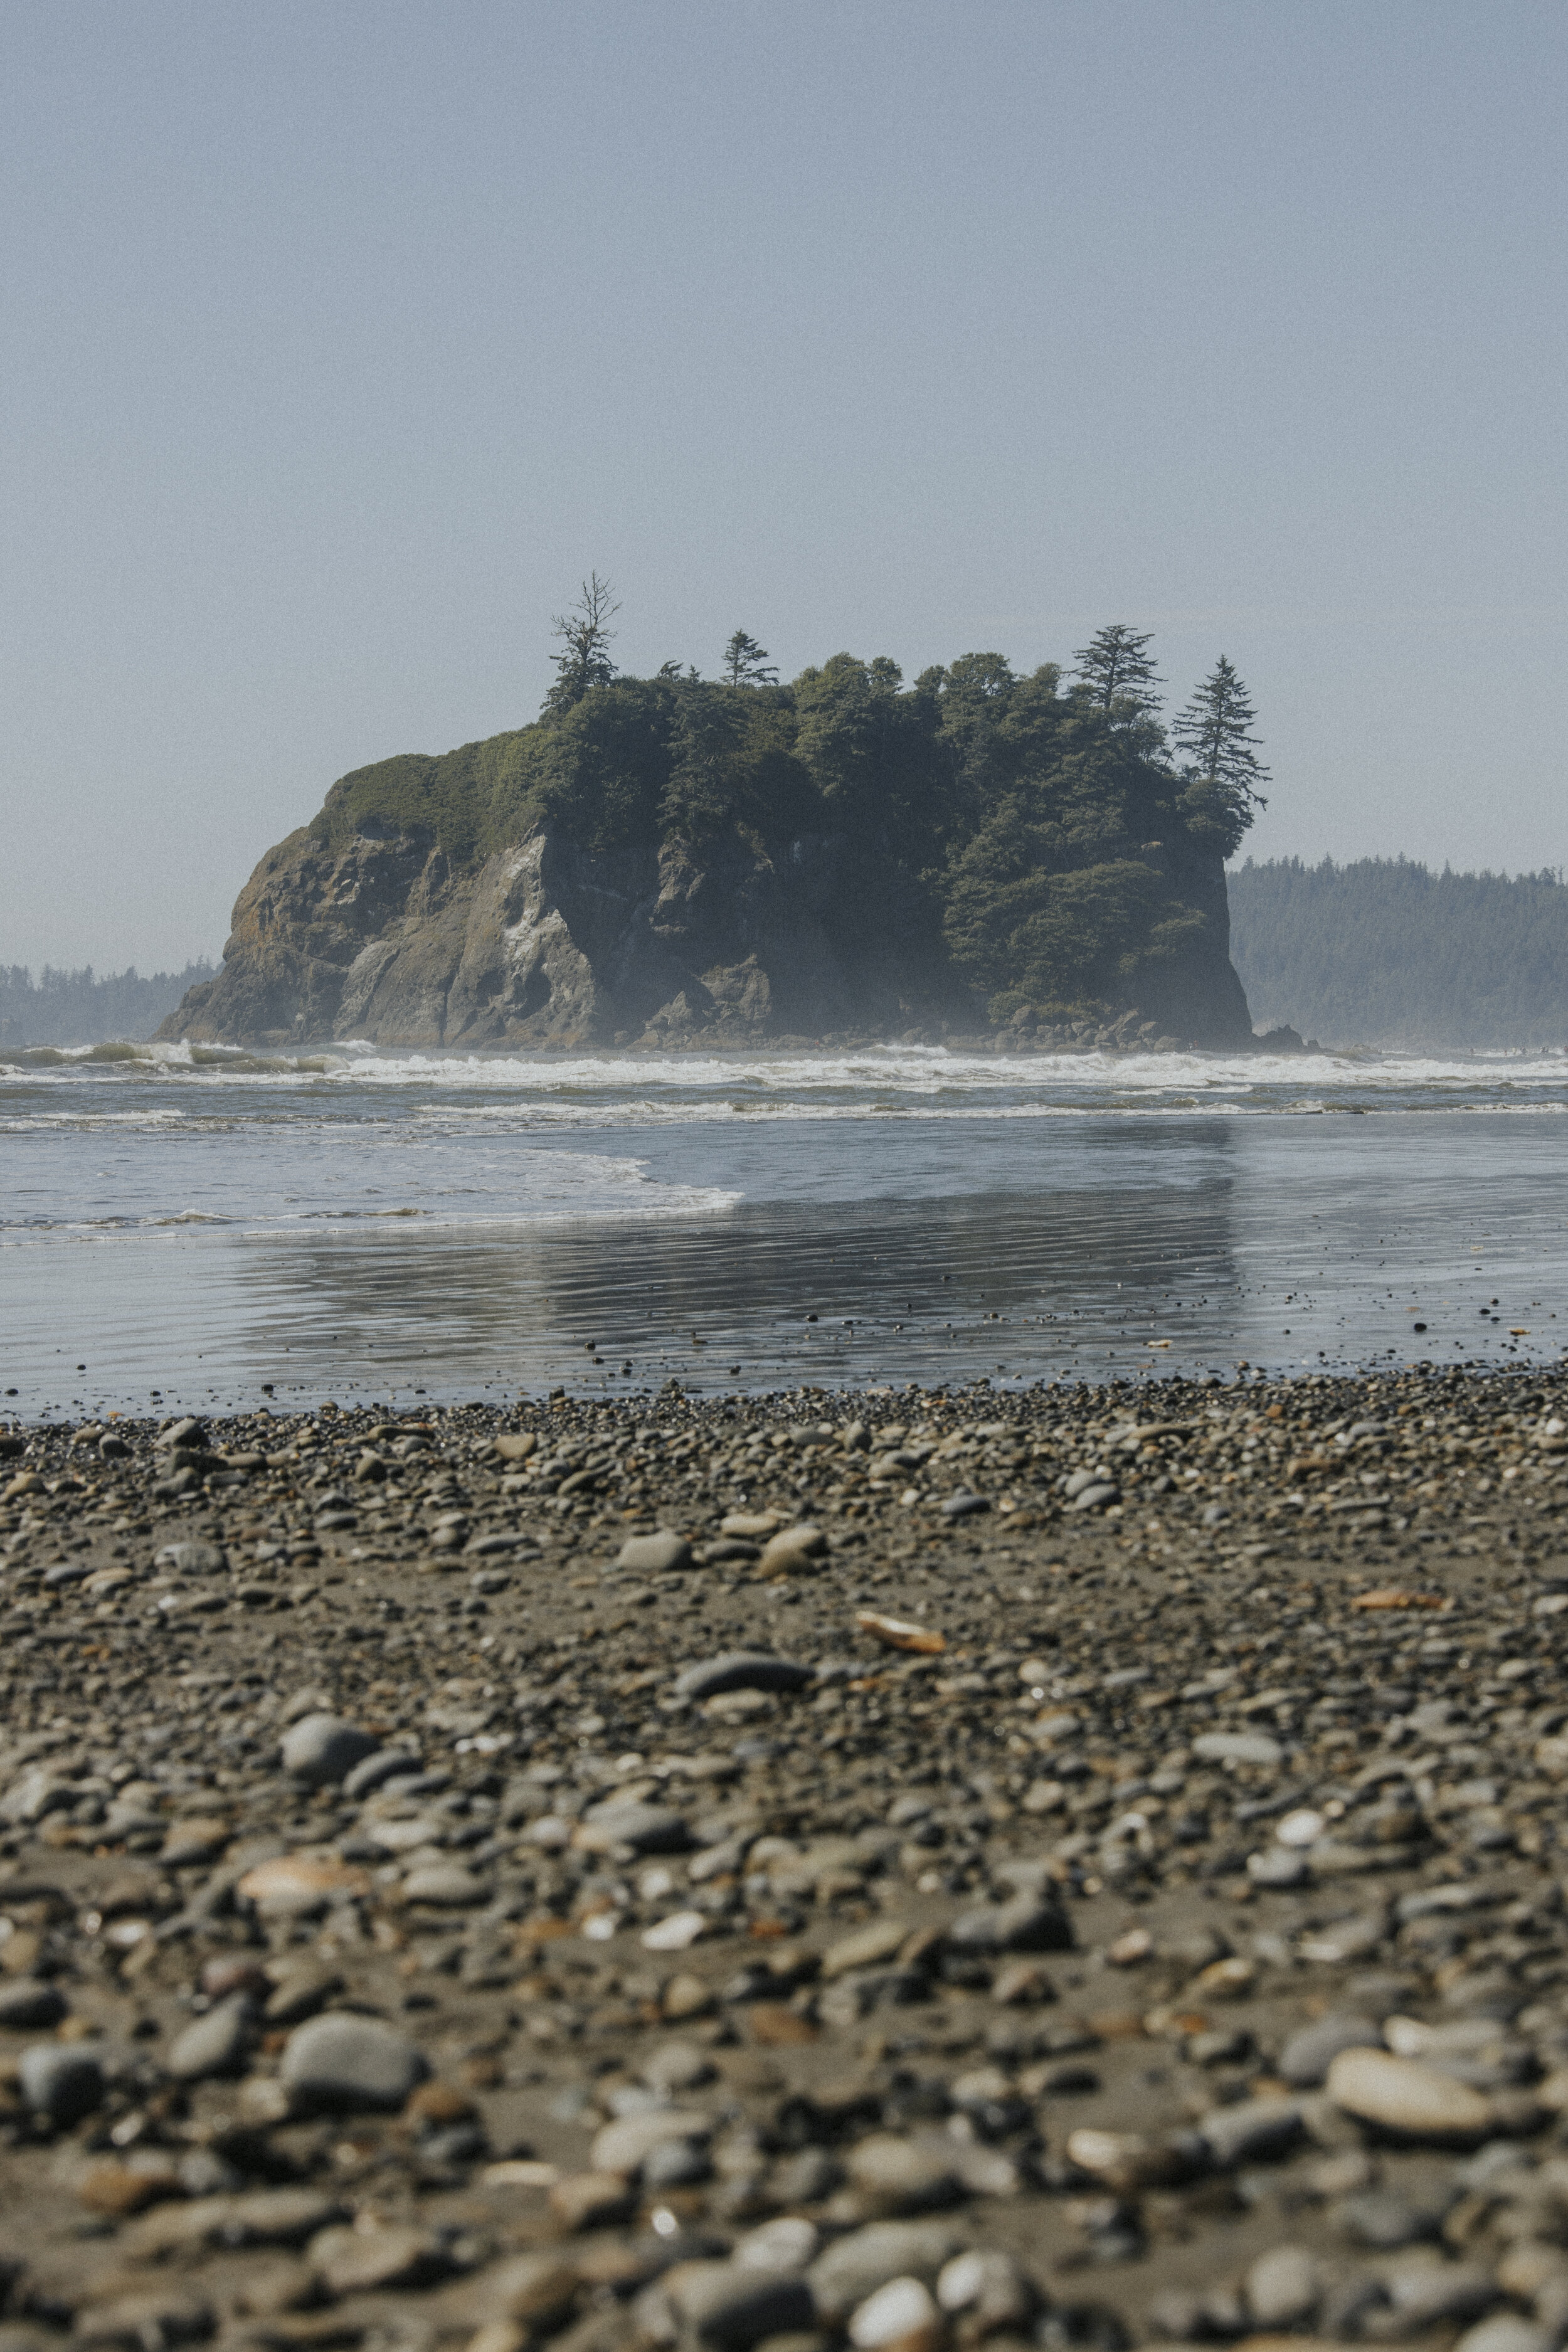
pixel 1385 952
pixel 84 1008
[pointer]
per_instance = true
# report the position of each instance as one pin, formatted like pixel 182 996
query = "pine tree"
pixel 1214 730
pixel 745 662
pixel 1116 668
pixel 584 633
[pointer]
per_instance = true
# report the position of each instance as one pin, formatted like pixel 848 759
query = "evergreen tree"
pixel 583 661
pixel 1116 672
pixel 745 662
pixel 1214 730
pixel 1384 951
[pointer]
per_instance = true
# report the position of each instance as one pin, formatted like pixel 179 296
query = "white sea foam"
pixel 597 1089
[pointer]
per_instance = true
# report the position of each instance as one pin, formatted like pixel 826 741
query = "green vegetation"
pixel 81 1008
pixel 1385 952
pixel 1033 829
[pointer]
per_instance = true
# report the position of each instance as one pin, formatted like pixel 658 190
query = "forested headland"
pixel 82 1008
pixel 1382 951
pixel 847 852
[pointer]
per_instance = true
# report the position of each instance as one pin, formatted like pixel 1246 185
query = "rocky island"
pixel 664 861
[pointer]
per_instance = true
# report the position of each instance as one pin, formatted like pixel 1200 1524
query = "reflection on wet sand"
pixel 924 1290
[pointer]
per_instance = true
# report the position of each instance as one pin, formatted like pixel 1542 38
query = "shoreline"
pixel 985 1870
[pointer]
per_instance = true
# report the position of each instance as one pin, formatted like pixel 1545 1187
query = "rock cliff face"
pixel 546 944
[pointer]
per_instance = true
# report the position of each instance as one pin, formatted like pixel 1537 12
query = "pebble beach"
pixel 906 1868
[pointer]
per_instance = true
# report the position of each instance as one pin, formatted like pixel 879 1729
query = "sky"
pixel 340 342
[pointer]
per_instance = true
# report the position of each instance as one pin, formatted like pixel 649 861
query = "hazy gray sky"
pixel 340 340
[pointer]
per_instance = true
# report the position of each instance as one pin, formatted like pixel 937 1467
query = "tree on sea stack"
pixel 746 662
pixel 1215 732
pixel 583 661
pixel 1116 672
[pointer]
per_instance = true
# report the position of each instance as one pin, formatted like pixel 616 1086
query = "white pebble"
pixel 904 2307
pixel 674 1933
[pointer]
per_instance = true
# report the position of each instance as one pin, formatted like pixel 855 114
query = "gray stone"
pixel 678 2065
pixel 894 2175
pixel 215 2044
pixel 650 1554
pixel 1313 2049
pixel 344 2061
pixel 1251 2131
pixel 1284 2286
pixel 675 2164
pixel 1424 2293
pixel 188 1431
pixel 965 1505
pixel 1237 1747
pixel 992 2287
pixel 192 1558
pixel 384 1764
pixel 27 2005
pixel 646 1828
pixel 806 2179
pixel 862 1990
pixel 855 2267
pixel 34 1798
pixel 900 2314
pixel 351 2260
pixel 1378 2219
pixel 444 1885
pixel 1403 2095
pixel 60 2080
pixel 1506 2332
pixel 791 1547
pixel 323 1749
pixel 159 2317
pixel 624 2146
pixel 732 2306
pixel 1277 1868
pixel 784 2246
pixel 538 2289
pixel 1028 1923
pixel 741 1669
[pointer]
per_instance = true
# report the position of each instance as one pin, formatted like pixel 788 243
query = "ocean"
pixel 197 1228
